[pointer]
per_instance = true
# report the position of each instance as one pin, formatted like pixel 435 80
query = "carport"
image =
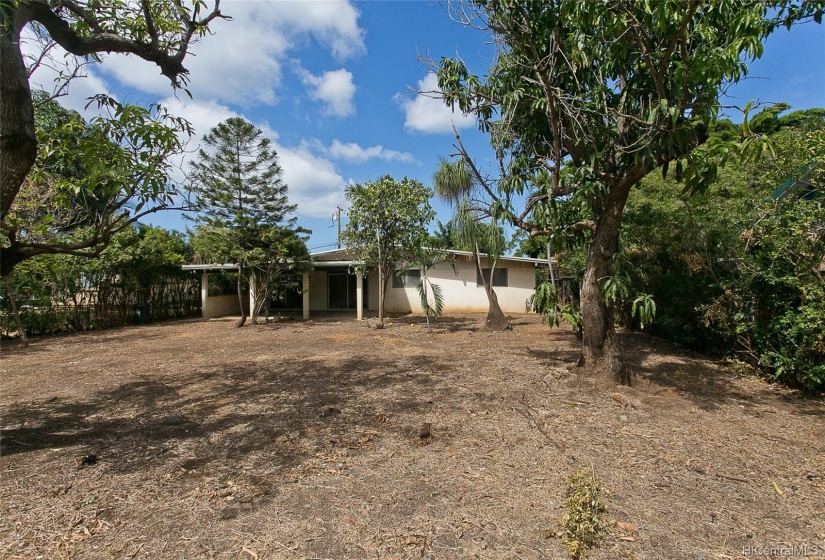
pixel 330 286
pixel 216 306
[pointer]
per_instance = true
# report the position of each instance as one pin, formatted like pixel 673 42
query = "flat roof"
pixel 338 257
pixel 343 251
pixel 501 258
pixel 209 267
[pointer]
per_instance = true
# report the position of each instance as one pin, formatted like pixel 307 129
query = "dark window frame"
pixel 501 278
pixel 409 279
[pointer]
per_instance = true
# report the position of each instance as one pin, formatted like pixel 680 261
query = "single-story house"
pixel 334 285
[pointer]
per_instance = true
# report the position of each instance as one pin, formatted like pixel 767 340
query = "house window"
pixel 499 277
pixel 407 279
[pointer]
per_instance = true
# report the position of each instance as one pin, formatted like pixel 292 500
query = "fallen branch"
pixel 527 412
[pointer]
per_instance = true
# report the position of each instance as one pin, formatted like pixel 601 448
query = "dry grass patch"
pixel 300 440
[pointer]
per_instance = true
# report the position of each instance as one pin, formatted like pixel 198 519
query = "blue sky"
pixel 330 83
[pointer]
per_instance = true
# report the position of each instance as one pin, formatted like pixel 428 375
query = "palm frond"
pixel 453 181
pixel 435 308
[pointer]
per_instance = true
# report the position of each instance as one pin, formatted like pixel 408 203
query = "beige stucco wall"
pixel 462 294
pixel 220 306
pixel 372 287
pixel 318 290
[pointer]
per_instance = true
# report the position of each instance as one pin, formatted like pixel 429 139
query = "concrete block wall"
pixel 220 306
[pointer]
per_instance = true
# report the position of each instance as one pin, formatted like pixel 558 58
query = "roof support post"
pixel 204 295
pixel 359 295
pixel 305 294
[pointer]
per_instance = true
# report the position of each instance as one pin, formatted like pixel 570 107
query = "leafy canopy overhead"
pixel 609 90
pixel 92 179
pixel 584 99
pixel 122 156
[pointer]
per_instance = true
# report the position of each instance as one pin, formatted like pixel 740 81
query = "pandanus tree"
pixel 473 227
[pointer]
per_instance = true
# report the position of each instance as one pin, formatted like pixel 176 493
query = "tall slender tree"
pixel 386 219
pixel 239 193
pixel 456 184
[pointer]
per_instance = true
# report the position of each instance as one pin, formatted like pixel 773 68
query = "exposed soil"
pixel 310 440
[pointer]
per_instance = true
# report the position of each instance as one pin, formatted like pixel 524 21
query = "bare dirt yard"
pixel 303 440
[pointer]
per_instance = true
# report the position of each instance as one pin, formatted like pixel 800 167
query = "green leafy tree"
pixel 141 266
pixel 90 181
pixel 444 237
pixel 278 260
pixel 276 255
pixel 738 270
pixel 386 219
pixel 93 180
pixel 609 91
pixel 122 155
pixel 241 201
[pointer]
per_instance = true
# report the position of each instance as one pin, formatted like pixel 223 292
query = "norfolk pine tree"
pixel 240 197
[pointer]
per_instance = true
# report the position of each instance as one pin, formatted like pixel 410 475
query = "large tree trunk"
pixel 21 330
pixel 242 320
pixel 600 346
pixel 496 320
pixel 381 297
pixel 10 257
pixel 18 141
pixel 382 294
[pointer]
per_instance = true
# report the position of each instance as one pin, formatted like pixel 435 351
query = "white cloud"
pixel 333 23
pixel 314 184
pixel 354 153
pixel 203 115
pixel 431 115
pixel 334 89
pixel 242 61
pixel 242 64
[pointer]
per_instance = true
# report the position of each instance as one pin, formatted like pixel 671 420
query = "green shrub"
pixel 584 523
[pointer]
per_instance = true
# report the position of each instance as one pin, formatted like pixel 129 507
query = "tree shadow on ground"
pixel 280 413
pixel 13 347
pixel 40 343
pixel 558 358
pixel 447 324
pixel 707 383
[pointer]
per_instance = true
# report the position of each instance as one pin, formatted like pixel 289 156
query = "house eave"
pixel 209 267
